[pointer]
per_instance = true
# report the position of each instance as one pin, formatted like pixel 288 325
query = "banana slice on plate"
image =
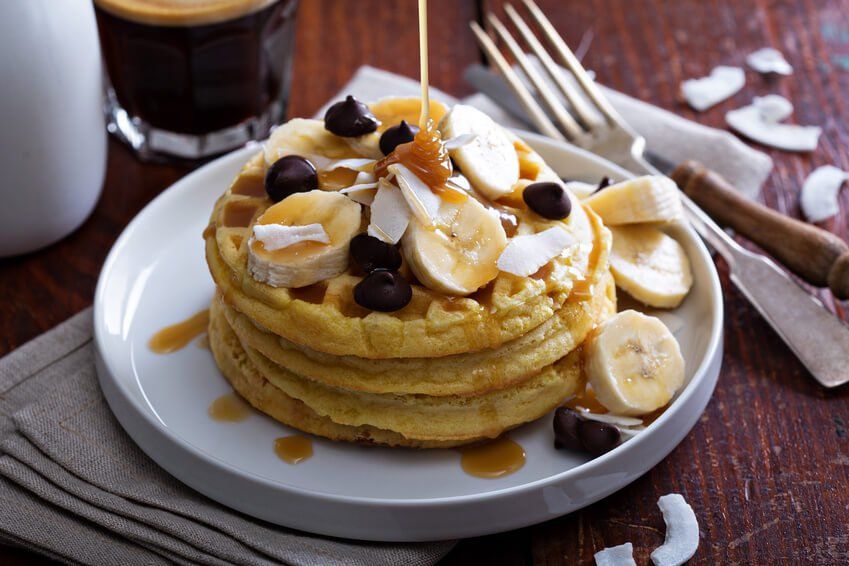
pixel 652 198
pixel 633 363
pixel 650 266
pixel 489 161
pixel 458 254
pixel 306 260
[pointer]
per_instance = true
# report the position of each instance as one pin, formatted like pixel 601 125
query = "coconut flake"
pixel 723 82
pixel 609 418
pixel 459 141
pixel 819 193
pixel 622 555
pixel 769 60
pixel 278 236
pixel 390 214
pixel 323 163
pixel 682 532
pixel 524 255
pixel 629 433
pixel 760 122
pixel 423 202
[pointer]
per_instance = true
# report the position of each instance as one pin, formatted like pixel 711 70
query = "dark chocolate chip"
pixel 566 429
pixel 598 437
pixel 350 118
pixel 384 291
pixel 370 253
pixel 548 199
pixel 604 183
pixel 288 175
pixel 396 135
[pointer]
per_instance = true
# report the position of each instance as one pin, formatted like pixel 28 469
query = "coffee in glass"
pixel 193 78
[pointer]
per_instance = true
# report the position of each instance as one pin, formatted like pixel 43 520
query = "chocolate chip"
pixel 598 437
pixel 288 175
pixel 396 135
pixel 566 429
pixel 370 253
pixel 384 291
pixel 350 118
pixel 604 183
pixel 548 199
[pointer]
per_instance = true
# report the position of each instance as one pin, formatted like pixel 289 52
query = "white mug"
pixel 52 132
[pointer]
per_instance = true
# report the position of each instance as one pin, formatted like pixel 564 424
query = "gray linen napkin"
pixel 73 485
pixel 668 135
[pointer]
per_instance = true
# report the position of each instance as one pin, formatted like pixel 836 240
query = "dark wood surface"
pixel 767 467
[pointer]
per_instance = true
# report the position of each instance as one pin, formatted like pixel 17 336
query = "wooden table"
pixel 767 467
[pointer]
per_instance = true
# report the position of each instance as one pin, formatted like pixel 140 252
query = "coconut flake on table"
pixel 524 255
pixel 682 532
pixel 422 201
pixel 622 555
pixel 722 83
pixel 390 214
pixel 278 236
pixel 760 122
pixel 819 193
pixel 769 60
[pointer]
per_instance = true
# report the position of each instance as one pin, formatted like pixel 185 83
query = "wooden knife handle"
pixel 817 256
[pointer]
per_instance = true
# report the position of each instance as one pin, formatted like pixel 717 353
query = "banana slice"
pixel 489 161
pixel 307 261
pixel 633 363
pixel 458 255
pixel 652 198
pixel 300 136
pixel 650 266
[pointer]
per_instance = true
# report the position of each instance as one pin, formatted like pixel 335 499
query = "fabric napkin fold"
pixel 74 487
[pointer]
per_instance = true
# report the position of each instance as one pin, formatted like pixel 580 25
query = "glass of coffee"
pixel 195 78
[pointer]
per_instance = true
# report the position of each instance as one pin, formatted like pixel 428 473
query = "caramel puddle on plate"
pixel 494 459
pixel 175 337
pixel 229 408
pixel 203 342
pixel 293 449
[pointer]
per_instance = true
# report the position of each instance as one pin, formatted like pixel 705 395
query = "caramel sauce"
pixel 529 167
pixel 336 179
pixel 203 342
pixel 582 289
pixel 238 213
pixel 494 459
pixel 208 231
pixel 391 111
pixel 310 294
pixel 177 336
pixel 293 449
pixel 586 400
pixel 229 408
pixel 250 183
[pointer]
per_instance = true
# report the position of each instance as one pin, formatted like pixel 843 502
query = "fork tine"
pixel 570 126
pixel 571 62
pixel 537 115
pixel 577 102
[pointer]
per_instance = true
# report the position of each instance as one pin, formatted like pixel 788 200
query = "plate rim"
pixel 700 373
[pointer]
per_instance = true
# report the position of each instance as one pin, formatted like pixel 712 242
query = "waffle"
pixel 399 420
pixel 325 318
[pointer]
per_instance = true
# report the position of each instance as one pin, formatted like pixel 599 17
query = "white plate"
pixel 156 275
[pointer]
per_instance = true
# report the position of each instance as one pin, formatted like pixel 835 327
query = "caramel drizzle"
pixel 177 336
pixel 293 449
pixel 229 408
pixel 424 115
pixel 494 459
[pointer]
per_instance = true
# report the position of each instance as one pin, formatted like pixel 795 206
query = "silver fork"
pixel 817 337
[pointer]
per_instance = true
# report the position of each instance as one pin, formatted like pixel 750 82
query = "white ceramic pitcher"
pixel 52 134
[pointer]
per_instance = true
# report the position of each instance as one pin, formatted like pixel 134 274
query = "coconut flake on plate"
pixel 390 214
pixel 682 532
pixel 581 189
pixel 622 555
pixel 769 60
pixel 423 202
pixel 524 255
pixel 609 418
pixel 760 122
pixel 819 193
pixel 278 236
pixel 723 82
pixel 459 141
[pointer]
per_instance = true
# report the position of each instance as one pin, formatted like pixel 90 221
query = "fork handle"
pixel 817 256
